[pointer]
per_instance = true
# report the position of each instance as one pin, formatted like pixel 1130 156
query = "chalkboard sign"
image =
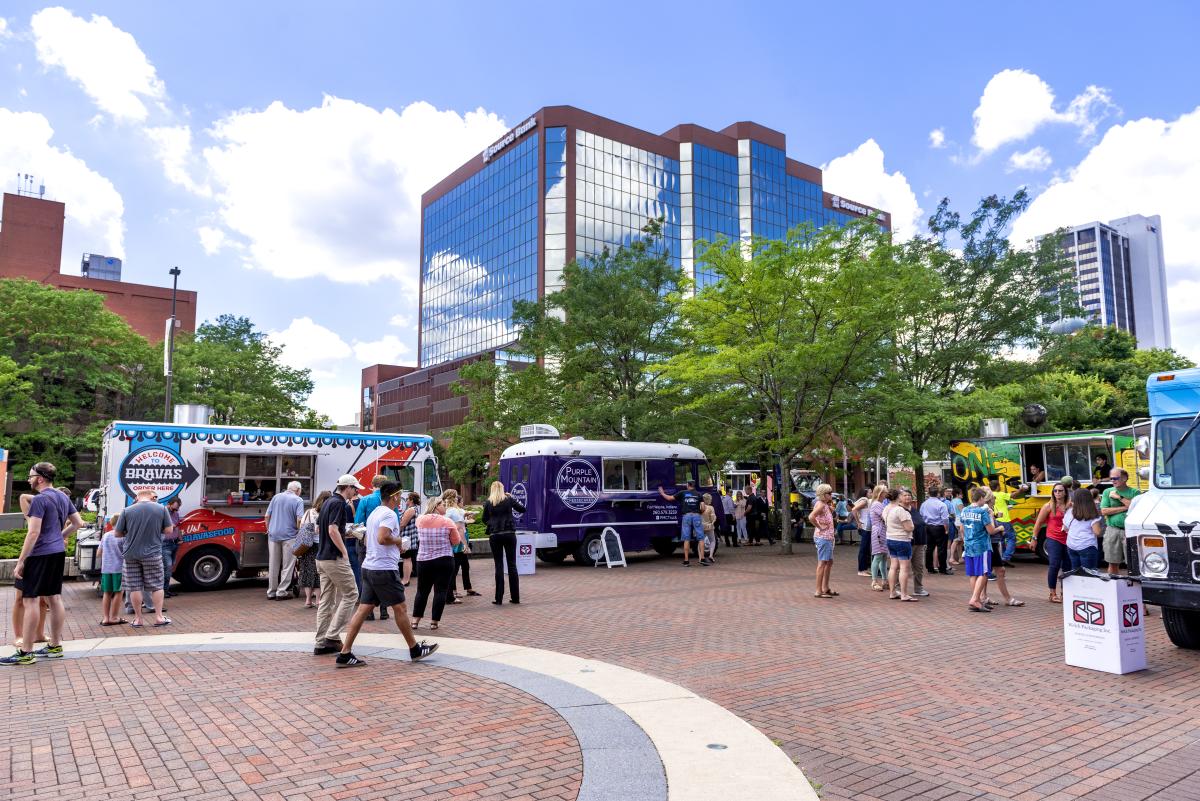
pixel 614 553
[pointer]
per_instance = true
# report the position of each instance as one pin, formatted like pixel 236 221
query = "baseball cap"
pixel 349 480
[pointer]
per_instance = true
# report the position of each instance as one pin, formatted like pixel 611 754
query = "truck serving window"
pixel 684 472
pixel 624 475
pixel 256 477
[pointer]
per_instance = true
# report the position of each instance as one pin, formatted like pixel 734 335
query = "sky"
pixel 277 151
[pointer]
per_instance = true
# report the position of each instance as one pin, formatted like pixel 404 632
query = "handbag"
pixel 306 538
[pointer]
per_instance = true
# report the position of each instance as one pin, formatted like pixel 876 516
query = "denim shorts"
pixel 899 549
pixel 824 550
pixel 693 527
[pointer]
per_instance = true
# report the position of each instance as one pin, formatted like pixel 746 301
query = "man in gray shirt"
pixel 141 528
pixel 283 524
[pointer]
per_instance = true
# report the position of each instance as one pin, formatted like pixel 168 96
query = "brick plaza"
pixel 875 700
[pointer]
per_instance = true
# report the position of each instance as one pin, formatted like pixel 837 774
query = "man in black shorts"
pixel 381 584
pixel 39 570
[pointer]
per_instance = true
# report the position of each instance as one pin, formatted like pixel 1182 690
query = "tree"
pixel 500 400
pixel 782 347
pixel 977 303
pixel 67 368
pixel 607 335
pixel 234 368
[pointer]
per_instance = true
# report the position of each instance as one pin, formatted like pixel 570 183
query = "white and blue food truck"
pixel 573 489
pixel 1162 528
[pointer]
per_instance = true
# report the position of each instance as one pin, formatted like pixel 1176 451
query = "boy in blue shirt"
pixel 977 525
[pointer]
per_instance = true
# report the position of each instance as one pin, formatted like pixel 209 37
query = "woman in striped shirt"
pixel 435 560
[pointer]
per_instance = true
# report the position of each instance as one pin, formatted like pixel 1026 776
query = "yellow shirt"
pixel 1003 499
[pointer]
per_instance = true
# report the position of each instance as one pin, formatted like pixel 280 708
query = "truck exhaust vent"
pixel 994 427
pixel 539 431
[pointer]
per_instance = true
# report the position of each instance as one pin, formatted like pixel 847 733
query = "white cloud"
pixel 5 33
pixel 1015 103
pixel 1146 166
pixel 309 344
pixel 173 147
pixel 335 190
pixel 402 321
pixel 1035 159
pixel 937 138
pixel 339 400
pixel 211 239
pixel 104 60
pixel 94 210
pixel 388 350
pixel 861 176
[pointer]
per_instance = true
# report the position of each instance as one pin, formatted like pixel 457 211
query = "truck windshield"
pixel 1177 440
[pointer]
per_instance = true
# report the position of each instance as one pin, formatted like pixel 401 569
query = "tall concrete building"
pixel 1120 276
pixel 1148 273
pixel 564 184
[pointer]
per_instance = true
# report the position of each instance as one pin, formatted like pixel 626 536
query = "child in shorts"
pixel 111 563
pixel 977 526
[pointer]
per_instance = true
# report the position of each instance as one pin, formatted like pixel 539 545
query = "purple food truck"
pixel 573 488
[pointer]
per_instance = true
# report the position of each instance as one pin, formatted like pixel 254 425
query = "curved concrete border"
pixel 641 737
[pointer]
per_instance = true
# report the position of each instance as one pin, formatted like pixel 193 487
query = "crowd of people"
pixel 348 554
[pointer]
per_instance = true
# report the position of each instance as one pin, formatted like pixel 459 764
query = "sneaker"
pixel 370 615
pixel 19 658
pixel 421 650
pixel 991 576
pixel 706 562
pixel 49 652
pixel 687 564
pixel 383 615
pixel 349 660
pixel 921 593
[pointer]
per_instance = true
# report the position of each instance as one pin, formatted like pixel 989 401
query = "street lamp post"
pixel 169 346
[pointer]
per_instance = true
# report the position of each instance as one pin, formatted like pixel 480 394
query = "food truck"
pixel 1011 460
pixel 1162 528
pixel 572 489
pixel 225 476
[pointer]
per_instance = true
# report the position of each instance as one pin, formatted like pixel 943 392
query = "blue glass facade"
pixel 480 254
pixel 1102 273
pixel 618 189
pixel 566 185
pixel 714 203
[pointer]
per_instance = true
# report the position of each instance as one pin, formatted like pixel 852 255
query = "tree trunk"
pixel 785 506
pixel 919 484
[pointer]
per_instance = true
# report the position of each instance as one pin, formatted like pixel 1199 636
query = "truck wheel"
pixel 664 546
pixel 553 556
pixel 1039 549
pixel 590 550
pixel 1183 627
pixel 206 569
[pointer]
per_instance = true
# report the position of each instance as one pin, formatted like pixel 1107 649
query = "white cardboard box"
pixel 1103 625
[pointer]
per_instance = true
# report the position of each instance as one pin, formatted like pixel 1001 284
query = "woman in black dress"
pixel 497 516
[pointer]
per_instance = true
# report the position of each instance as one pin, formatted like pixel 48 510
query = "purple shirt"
pixel 54 510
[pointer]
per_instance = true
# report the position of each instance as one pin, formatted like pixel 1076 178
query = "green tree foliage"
pixel 231 366
pixel 978 301
pixel 501 399
pixel 68 366
pixel 781 348
pixel 1092 378
pixel 608 334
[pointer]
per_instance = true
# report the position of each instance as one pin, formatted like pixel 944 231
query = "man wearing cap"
pixel 339 594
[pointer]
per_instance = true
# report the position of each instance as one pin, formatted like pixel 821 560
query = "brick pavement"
pixel 270 726
pixel 876 700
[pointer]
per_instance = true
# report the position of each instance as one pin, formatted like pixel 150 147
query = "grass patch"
pixel 11 541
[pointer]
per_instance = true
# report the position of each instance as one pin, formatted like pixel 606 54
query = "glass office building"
pixel 565 184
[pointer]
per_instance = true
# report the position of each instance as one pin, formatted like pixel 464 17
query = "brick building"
pixel 31 239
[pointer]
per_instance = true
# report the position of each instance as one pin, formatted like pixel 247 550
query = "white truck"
pixel 225 476
pixel 1162 527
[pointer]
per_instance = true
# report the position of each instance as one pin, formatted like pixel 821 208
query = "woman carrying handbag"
pixel 305 551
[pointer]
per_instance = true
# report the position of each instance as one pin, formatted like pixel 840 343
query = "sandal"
pixel 1054 599
pixel 895 598
pixel 1014 602
pixel 978 608
pixel 831 593
pixel 416 624
pixel 120 622
pixel 472 592
pixel 433 626
pixel 910 599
